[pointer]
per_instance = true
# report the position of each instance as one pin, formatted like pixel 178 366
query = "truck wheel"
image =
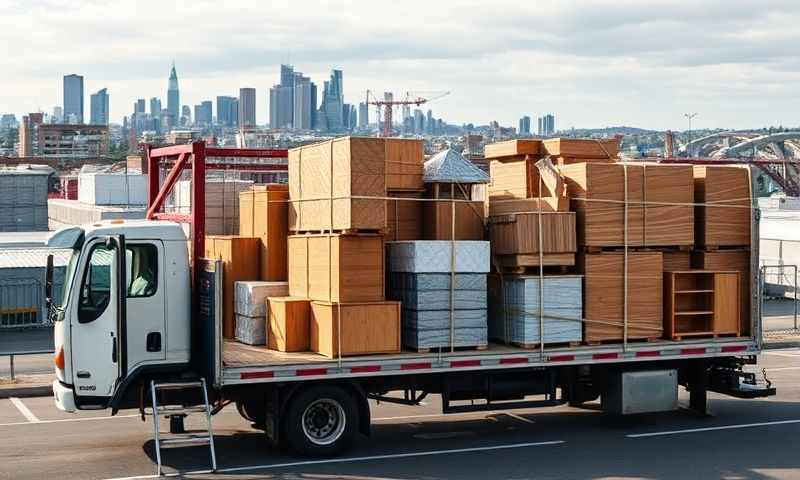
pixel 321 421
pixel 252 411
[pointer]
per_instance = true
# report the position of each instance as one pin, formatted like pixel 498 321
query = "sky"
pixel 592 63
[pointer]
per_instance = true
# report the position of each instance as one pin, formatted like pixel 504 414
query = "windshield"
pixel 70 238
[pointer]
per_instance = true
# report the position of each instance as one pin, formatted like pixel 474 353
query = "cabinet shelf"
pixel 695 312
pixel 694 291
pixel 700 303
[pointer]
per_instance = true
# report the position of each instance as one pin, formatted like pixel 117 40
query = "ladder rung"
pixel 177 385
pixel 177 410
pixel 194 439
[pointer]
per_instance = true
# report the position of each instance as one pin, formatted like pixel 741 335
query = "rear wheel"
pixel 321 421
pixel 253 411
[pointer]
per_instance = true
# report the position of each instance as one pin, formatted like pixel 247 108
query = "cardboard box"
pixel 736 261
pixel 336 268
pixel 728 223
pixel 288 324
pixel 604 295
pixel 366 328
pixel 518 234
pixel 324 177
pixel 240 261
pixel 437 220
pixel 581 147
pixel 263 213
pixel 659 204
pixel 404 164
pixel 403 216
pixel 513 148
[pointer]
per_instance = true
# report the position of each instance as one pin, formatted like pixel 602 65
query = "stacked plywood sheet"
pixel 222 203
pixel 566 151
pixel 513 148
pixel 725 216
pixel 605 278
pixel 263 213
pixel 437 220
pixel 355 328
pixel 654 200
pixel 515 314
pixel 404 216
pixel 513 179
pixel 442 286
pixel 404 164
pixel 428 300
pixel 515 238
pixel 250 307
pixel 338 185
pixel 730 260
pixel 240 261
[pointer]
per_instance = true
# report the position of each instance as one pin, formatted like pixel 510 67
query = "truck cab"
pixel 125 311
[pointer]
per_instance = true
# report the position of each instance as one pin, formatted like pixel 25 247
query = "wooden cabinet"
pixel 701 303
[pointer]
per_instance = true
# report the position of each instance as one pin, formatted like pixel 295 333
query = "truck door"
pixel 146 325
pixel 97 323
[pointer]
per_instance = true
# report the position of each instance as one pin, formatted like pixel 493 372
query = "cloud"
pixel 592 63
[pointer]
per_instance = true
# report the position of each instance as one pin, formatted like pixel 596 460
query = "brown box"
pixel 659 203
pixel 513 148
pixel 728 223
pixel 518 234
pixel 324 178
pixel 581 147
pixel 403 216
pixel 288 324
pixel 366 328
pixel 336 268
pixel 499 207
pixel 404 164
pixel 604 295
pixel 730 260
pixel 437 220
pixel 513 179
pixel 263 213
pixel 240 262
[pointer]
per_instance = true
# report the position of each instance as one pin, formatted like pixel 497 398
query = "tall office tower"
pixel 186 116
pixel 540 129
pixel 363 116
pixel 525 126
pixel 429 125
pixel 203 114
pixel 227 111
pixel 29 134
pixel 419 122
pixel 58 115
pixel 173 97
pixel 303 107
pixel 282 100
pixel 550 124
pixel 247 107
pixel 73 97
pixel 99 107
pixel 155 107
pixel 333 101
pixel 348 117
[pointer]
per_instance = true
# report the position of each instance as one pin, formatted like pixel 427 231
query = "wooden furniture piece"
pixel 730 260
pixel 701 303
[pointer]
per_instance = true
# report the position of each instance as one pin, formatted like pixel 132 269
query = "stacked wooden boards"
pixel 263 213
pixel 724 206
pixel 240 262
pixel 516 238
pixel 566 151
pixel 438 222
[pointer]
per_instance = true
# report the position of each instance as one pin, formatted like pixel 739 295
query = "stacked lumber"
pixel 438 223
pixel 514 309
pixel 605 279
pixel 263 213
pixel 404 164
pixel 518 178
pixel 730 260
pixel 724 219
pixel 513 148
pixel 566 151
pixel 404 216
pixel 240 262
pixel 325 177
pixel 250 308
pixel 442 287
pixel 654 200
pixel 515 238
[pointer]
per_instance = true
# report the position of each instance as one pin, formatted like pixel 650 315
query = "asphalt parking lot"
pixel 742 439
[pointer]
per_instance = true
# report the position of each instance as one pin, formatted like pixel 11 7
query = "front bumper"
pixel 64 397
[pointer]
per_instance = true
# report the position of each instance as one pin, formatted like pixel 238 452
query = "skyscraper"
pixel 73 97
pixel 173 97
pixel 58 114
pixel 429 125
pixel 363 115
pixel 247 107
pixel 525 126
pixel 203 114
pixel 419 122
pixel 98 110
pixel 155 107
pixel 547 125
pixel 29 134
pixel 303 108
pixel 227 111
pixel 333 102
pixel 283 102
pixel 186 116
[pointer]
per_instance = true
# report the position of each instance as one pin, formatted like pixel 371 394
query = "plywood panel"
pixel 726 303
pixel 404 164
pixel 240 261
pixel 438 225
pixel 518 234
pixel 366 328
pixel 725 218
pixel 513 179
pixel 288 324
pixel 263 213
pixel 511 148
pixel 403 216
pixel 581 147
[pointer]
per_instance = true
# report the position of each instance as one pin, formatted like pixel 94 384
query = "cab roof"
pixel 136 229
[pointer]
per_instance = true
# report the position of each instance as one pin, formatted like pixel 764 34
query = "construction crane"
pixel 411 98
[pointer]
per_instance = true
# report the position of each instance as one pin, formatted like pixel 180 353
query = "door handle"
pixel 153 342
pixel 113 349
pixel 83 374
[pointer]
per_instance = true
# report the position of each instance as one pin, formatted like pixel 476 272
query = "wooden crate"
pixel 324 177
pixel 513 179
pixel 604 295
pixel 404 164
pixel 366 328
pixel 403 217
pixel 512 148
pixel 240 261
pixel 659 211
pixel 518 234
pixel 581 147
pixel 701 303
pixel 437 221
pixel 730 260
pixel 263 213
pixel 336 268
pixel 288 324
pixel 728 223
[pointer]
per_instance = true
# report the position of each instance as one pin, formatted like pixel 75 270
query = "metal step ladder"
pixel 181 411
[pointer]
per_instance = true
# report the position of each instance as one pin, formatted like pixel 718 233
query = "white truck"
pixel 132 314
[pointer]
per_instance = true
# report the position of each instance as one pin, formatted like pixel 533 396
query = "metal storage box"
pixel 642 392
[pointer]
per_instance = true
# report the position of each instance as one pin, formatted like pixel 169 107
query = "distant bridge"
pixel 776 140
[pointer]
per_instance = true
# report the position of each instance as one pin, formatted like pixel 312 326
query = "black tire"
pixel 253 411
pixel 321 421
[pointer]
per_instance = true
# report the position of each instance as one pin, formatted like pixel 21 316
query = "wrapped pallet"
pixel 515 313
pixel 355 328
pixel 654 200
pixel 724 216
pixel 336 267
pixel 239 256
pixel 612 280
pixel 338 185
pixel 263 213
pixel 250 307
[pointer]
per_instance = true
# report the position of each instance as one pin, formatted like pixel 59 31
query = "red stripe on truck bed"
pixel 650 353
pixel 252 375
pixel 734 348
pixel 605 356
pixel 311 371
pixel 366 369
pixel 415 366
pixel 465 363
pixel 508 361
pixel 562 358
pixel 693 351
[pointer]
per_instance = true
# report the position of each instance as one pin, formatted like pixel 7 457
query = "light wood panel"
pixel 511 148
pixel 240 261
pixel 404 164
pixel 725 218
pixel 519 233
pixel 366 328
pixel 263 213
pixel 403 217
pixel 288 324
pixel 581 147
pixel 437 220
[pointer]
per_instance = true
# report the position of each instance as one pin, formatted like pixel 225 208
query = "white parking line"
pixel 783 354
pixel 711 429
pixel 63 420
pixel 370 458
pixel 24 410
